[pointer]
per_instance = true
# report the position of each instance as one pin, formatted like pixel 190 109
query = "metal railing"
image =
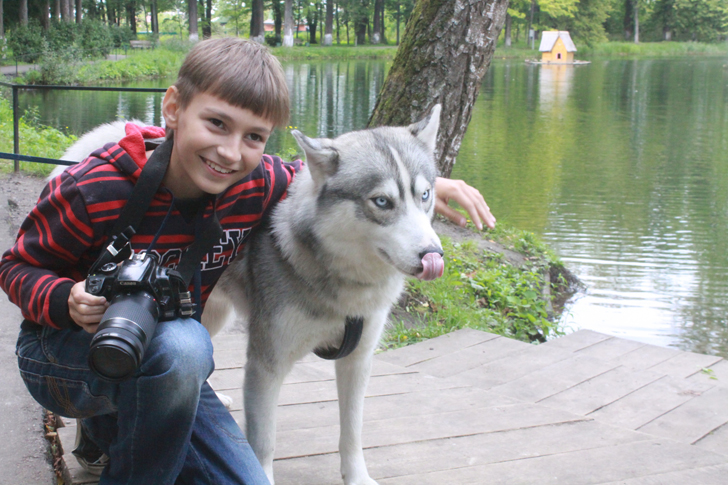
pixel 16 156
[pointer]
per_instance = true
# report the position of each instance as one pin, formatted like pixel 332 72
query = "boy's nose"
pixel 230 151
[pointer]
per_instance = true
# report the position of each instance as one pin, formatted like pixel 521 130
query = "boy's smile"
pixel 216 144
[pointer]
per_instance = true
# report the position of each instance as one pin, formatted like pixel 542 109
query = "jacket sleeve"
pixel 50 242
pixel 281 175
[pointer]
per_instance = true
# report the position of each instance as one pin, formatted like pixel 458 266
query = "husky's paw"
pixel 226 400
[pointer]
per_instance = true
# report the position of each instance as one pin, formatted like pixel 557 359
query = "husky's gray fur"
pixel 355 223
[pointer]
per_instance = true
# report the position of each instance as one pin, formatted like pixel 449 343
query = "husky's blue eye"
pixel 426 195
pixel 382 202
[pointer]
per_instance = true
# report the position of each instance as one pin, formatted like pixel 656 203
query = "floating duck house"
pixel 557 47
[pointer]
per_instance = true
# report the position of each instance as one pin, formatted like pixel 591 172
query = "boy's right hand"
pixel 86 309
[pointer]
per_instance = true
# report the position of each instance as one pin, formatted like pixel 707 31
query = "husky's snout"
pixel 432 265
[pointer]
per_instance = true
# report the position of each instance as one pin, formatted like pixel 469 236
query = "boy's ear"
pixel 426 129
pixel 171 107
pixel 321 157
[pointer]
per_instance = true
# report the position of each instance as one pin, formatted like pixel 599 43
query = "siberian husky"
pixel 326 268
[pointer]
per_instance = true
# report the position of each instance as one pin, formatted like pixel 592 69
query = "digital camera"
pixel 141 293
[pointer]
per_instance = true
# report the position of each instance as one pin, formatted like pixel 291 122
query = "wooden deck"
pixel 475 408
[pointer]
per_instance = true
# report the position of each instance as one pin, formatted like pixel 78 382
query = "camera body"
pixel 141 293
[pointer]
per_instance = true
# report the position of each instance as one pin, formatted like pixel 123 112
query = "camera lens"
pixel 118 347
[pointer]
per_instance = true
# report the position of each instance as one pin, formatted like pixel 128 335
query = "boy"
pixel 164 425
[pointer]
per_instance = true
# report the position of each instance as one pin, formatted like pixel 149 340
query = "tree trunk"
pixel 329 29
pixel 2 27
pixel 399 16
pixel 360 30
pixel 155 17
pixel 207 26
pixel 23 12
pixel 636 22
pixel 446 50
pixel 192 14
pixel 277 20
pixel 507 35
pixel 376 36
pixel 66 10
pixel 44 17
pixel 257 29
pixel 288 24
pixel 79 10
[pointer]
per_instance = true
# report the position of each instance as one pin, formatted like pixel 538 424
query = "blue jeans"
pixel 165 425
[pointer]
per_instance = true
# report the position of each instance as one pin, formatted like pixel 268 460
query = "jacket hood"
pixel 135 146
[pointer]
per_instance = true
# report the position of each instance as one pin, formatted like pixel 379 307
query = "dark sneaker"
pixel 88 455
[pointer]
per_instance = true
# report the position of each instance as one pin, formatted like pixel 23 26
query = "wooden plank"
pixel 469 358
pixel 694 419
pixel 716 374
pixel 555 378
pixel 685 364
pixel 429 349
pixel 650 402
pixel 512 366
pixel 592 466
pixel 647 356
pixel 577 340
pixel 709 475
pixel 229 358
pixel 716 441
pixel 600 391
pixel 452 453
pixel 408 429
pixel 612 348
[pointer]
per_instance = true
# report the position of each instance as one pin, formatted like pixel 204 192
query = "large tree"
pixel 192 12
pixel 288 23
pixel 257 27
pixel 446 50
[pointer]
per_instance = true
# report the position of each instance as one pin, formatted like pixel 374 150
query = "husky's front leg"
pixel 262 387
pixel 352 377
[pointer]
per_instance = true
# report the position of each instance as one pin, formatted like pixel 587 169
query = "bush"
pixel 26 41
pixel 121 35
pixel 61 35
pixel 59 67
pixel 273 40
pixel 96 39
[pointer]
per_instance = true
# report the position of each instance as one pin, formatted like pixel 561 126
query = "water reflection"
pixel 622 167
pixel 633 199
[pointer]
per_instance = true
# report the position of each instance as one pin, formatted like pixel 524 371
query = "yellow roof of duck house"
pixel 550 38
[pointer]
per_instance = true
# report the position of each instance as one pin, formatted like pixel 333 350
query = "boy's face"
pixel 215 144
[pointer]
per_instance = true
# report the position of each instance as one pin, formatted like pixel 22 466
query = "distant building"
pixel 269 26
pixel 557 46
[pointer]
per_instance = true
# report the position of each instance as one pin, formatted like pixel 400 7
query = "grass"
pixel 36 140
pixel 483 290
pixel 654 49
pixel 317 52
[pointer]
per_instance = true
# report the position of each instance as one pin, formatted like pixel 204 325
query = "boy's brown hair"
pixel 240 72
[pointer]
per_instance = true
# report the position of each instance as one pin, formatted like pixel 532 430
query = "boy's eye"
pixel 255 137
pixel 216 122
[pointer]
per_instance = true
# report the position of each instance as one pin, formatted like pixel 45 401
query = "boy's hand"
pixel 84 308
pixel 469 199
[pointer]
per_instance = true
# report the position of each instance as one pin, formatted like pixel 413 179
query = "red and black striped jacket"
pixel 69 226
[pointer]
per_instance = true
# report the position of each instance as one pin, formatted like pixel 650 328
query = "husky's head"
pixel 372 197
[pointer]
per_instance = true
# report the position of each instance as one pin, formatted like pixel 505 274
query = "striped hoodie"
pixel 69 226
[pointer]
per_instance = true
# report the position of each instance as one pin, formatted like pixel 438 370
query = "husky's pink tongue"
pixel 432 267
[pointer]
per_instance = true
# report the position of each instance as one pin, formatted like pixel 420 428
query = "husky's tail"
pixel 96 138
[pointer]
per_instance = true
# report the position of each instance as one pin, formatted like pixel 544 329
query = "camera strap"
pixel 207 232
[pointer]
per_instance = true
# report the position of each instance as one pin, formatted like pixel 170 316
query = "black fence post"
pixel 16 130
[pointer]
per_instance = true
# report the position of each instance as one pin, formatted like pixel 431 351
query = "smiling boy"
pixel 165 424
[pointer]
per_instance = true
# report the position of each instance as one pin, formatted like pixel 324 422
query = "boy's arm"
pixel 280 174
pixel 51 240
pixel 469 199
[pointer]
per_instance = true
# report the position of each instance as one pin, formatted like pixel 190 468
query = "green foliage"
pixel 36 140
pixel 59 67
pixel 158 63
pixel 61 35
pixel 654 49
pixel 120 35
pixel 481 290
pixel 96 39
pixel 26 42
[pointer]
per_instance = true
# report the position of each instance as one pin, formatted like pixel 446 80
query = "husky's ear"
pixel 426 129
pixel 321 157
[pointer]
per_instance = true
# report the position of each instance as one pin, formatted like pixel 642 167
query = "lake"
pixel 621 166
